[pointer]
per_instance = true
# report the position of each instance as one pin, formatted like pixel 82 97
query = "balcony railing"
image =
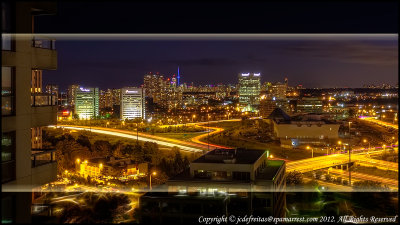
pixel 43 99
pixel 43 42
pixel 41 157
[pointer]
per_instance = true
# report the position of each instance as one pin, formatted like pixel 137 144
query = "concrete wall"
pixel 330 131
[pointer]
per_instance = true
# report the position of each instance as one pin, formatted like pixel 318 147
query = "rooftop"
pixel 270 171
pixel 231 156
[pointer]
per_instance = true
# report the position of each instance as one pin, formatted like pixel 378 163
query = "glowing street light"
pixel 312 151
pixel 154 174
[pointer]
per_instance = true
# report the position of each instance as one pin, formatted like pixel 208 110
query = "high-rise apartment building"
pixel 71 94
pixel 249 91
pixel 132 103
pixel 26 108
pixel 109 98
pixel 87 102
pixel 154 86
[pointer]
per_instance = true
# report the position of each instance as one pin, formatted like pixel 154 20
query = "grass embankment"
pixel 254 135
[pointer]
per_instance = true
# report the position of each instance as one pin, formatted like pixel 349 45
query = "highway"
pixel 321 162
pixel 185 146
pixel 360 156
pixel 379 122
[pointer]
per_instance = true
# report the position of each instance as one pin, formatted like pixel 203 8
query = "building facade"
pixel 26 108
pixel 221 182
pixel 132 103
pixel 86 103
pixel 71 94
pixel 249 91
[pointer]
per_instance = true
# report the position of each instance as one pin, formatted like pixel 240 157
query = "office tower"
pixel 249 91
pixel 71 94
pixel 132 103
pixel 278 91
pixel 26 108
pixel 87 102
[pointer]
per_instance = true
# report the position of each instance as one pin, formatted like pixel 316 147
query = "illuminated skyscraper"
pixel 249 91
pixel 132 103
pixel 87 102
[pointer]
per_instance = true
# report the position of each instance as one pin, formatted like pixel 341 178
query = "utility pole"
pixel 137 130
pixel 208 134
pixel 348 166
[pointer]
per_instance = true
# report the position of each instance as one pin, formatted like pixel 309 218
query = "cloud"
pixel 378 53
pixel 203 62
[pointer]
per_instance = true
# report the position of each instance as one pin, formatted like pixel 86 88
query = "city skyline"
pixel 353 62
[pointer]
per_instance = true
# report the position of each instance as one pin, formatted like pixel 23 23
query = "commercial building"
pixel 309 105
pixel 268 105
pixel 249 91
pixel 26 108
pixel 86 103
pixel 111 167
pixel 278 91
pixel 306 129
pixel 132 103
pixel 222 182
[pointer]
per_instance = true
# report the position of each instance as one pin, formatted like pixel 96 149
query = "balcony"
pixel 44 166
pixel 44 109
pixel 44 55
pixel 43 99
pixel 46 43
pixel 41 157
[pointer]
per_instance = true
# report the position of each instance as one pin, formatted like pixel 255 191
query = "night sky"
pixel 311 62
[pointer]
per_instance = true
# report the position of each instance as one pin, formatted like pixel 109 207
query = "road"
pixel 379 122
pixel 183 145
pixel 195 145
pixel 321 162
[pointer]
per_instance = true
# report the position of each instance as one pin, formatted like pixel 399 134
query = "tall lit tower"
pixel 178 76
pixel 249 91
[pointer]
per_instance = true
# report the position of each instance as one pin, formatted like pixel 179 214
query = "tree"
pixel 117 149
pixel 102 148
pixel 67 151
pixel 178 161
pixel 294 178
pixel 128 150
pixel 84 141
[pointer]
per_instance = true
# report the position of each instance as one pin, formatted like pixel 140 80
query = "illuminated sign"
pixel 83 89
pixel 257 74
pixel 131 92
pixel 65 113
pixel 245 74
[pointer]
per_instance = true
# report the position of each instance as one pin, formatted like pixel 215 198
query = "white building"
pixel 87 102
pixel 132 103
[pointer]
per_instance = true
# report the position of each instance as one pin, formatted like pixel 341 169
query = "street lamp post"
pixel 369 144
pixel 349 165
pixel 208 134
pixel 312 151
pixel 349 127
pixel 153 173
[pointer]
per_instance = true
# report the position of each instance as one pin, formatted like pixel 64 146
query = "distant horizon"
pixel 312 61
